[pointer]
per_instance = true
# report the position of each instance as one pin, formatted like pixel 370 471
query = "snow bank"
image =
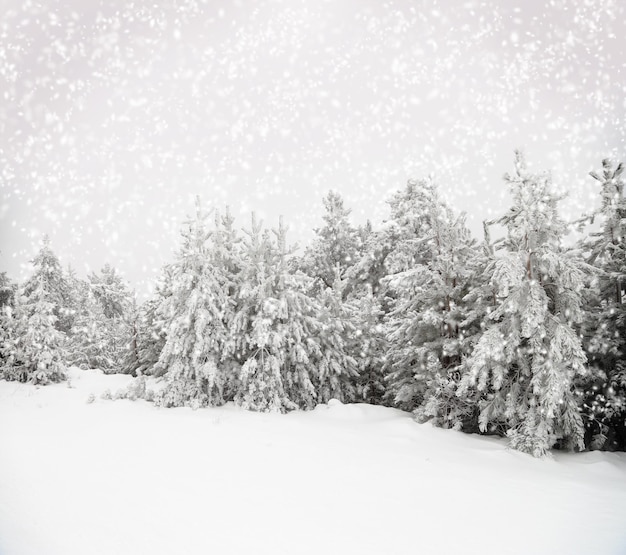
pixel 124 477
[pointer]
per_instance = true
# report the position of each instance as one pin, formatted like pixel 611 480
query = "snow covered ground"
pixel 118 477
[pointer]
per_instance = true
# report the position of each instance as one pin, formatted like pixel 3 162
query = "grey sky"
pixel 114 115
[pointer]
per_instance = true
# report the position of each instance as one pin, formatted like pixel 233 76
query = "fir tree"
pixel 527 360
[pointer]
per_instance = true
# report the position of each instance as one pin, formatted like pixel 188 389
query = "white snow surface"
pixel 125 477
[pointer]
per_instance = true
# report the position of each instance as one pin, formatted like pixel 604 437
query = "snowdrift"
pixel 103 477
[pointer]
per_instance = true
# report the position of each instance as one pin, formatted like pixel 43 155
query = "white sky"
pixel 114 115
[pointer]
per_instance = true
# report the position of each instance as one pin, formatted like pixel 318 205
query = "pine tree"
pixel 367 344
pixel 197 316
pixel 449 409
pixel 604 329
pixel 7 290
pixel 336 246
pixel 526 362
pixel 93 344
pixel 101 333
pixel 7 303
pixel 336 363
pixel 34 350
pixel 49 275
pixel 111 292
pixel 151 327
pixel 426 344
pixel 291 345
pixel 260 342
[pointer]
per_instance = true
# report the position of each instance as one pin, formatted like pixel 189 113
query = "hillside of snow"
pixel 122 477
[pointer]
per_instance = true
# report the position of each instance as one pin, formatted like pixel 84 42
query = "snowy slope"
pixel 118 477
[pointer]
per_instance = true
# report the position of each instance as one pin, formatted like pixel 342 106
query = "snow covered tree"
pixel 49 275
pixel 291 344
pixel 111 292
pixel 432 257
pixel 368 345
pixel 197 315
pixel 92 344
pixel 33 347
pixel 336 246
pixel 101 332
pixel 7 290
pixel 261 342
pixel 446 408
pixel 7 301
pixel 604 328
pixel 336 333
pixel 151 327
pixel 526 362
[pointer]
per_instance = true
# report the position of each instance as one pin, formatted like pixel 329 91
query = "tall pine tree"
pixel 525 364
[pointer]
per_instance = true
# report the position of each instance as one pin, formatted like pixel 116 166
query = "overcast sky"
pixel 114 115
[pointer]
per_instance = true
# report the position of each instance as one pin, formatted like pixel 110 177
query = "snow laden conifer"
pixel 339 344
pixel 33 345
pixel 48 274
pixel 260 328
pixel 91 344
pixel 151 327
pixel 7 290
pixel 604 328
pixel 36 347
pixel 368 344
pixel 290 344
pixel 336 245
pixel 101 334
pixel 197 317
pixel 431 262
pixel 527 360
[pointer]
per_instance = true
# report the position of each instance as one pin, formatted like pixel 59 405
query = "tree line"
pixel 523 336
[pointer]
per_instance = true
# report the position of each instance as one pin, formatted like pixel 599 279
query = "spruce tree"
pixel 526 362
